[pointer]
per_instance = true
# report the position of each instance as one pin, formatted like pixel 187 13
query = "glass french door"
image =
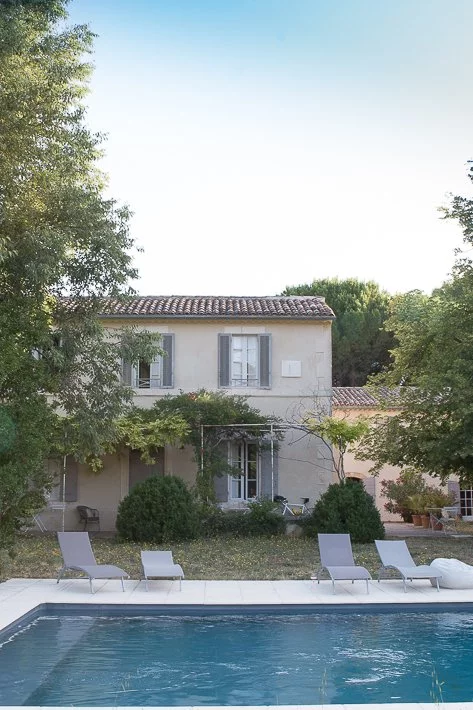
pixel 244 483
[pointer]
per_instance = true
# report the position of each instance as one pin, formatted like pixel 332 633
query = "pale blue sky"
pixel 263 143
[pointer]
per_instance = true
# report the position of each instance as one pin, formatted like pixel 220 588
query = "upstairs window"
pixel 244 361
pixel 152 375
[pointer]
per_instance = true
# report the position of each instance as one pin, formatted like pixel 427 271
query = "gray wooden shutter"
pixel 265 361
pixel 221 488
pixel 265 473
pixel 454 488
pixel 139 470
pixel 370 486
pixel 72 476
pixel 224 343
pixel 168 360
pixel 221 482
pixel 126 373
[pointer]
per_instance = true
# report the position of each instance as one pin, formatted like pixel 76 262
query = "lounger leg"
pixel 438 588
pixel 123 586
pixel 404 580
pixel 91 585
pixel 61 572
pixel 367 587
pixel 180 583
pixel 333 586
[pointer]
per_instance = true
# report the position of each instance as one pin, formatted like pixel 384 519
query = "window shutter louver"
pixel 453 487
pixel 269 473
pixel 224 342
pixel 72 475
pixel 168 361
pixel 155 374
pixel 126 373
pixel 265 361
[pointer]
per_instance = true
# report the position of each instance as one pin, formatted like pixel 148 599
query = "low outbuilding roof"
pixel 343 397
pixel 286 307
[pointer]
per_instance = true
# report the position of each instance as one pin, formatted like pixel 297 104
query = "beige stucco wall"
pixel 304 468
pixel 360 469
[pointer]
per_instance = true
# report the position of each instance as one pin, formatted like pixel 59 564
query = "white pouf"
pixel 455 574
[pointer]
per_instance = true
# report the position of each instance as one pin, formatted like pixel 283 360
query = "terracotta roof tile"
pixel 291 307
pixel 362 397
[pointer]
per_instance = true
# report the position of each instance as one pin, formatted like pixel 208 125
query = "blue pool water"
pixel 256 659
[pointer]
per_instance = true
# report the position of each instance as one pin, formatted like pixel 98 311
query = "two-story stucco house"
pixel 276 351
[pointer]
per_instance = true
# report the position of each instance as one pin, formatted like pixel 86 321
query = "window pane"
pixel 144 374
pixel 245 361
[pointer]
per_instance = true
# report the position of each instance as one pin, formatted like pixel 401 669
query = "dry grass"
pixel 223 558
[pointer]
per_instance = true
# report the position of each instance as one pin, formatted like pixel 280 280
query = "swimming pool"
pixel 177 657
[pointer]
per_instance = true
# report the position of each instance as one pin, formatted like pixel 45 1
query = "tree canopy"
pixel 64 247
pixel 434 364
pixel 212 418
pixel 360 345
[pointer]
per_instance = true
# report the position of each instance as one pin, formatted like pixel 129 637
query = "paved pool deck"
pixel 20 596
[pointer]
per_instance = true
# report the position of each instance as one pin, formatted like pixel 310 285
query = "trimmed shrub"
pixel 346 508
pixel 261 518
pixel 214 522
pixel 265 518
pixel 160 509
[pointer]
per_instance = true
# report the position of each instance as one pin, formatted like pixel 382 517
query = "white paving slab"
pixel 19 596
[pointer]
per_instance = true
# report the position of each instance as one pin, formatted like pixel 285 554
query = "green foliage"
pixel 160 509
pixel 146 435
pixel 434 362
pixel 346 508
pixel 360 346
pixel 64 248
pixel 338 433
pixel 400 492
pixel 23 478
pixel 262 518
pixel 214 411
pixel 433 431
pixel 265 518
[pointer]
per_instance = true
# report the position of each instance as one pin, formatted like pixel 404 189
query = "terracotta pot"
pixel 425 521
pixel 417 519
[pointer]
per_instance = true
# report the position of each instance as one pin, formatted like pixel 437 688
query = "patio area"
pixel 409 530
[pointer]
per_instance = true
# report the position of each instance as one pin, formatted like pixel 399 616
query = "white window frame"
pixel 244 380
pixel 238 457
pixel 466 501
pixel 155 379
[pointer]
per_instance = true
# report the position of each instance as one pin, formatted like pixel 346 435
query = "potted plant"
pixel 417 506
pixel 398 492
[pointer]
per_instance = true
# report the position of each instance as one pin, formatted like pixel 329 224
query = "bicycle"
pixel 293 509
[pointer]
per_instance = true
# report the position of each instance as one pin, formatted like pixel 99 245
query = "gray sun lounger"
pixel 159 564
pixel 394 554
pixel 336 556
pixel 77 555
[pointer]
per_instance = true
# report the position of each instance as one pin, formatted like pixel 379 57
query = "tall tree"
pixel 63 249
pixel 360 345
pixel 434 362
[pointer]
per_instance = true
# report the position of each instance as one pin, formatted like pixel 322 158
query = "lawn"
pixel 223 558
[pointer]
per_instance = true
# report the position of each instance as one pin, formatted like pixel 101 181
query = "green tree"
pixel 64 248
pixel 433 431
pixel 337 435
pixel 208 416
pixel 360 345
